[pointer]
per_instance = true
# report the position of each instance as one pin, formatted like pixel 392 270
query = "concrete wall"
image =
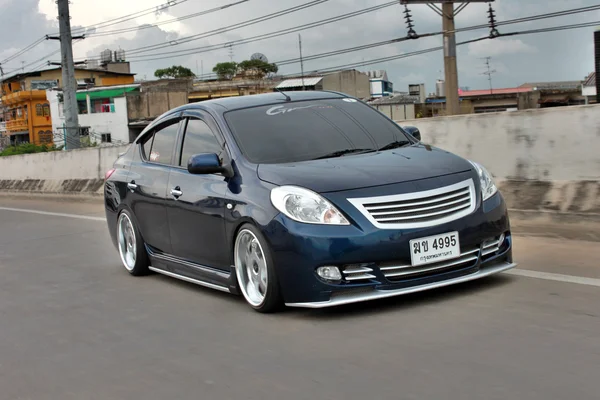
pixel 557 144
pixel 149 105
pixel 353 83
pixel 74 171
pixel 397 112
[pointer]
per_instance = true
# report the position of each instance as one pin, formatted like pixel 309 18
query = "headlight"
pixel 488 187
pixel 303 205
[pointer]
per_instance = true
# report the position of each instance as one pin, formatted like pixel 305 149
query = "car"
pixel 306 199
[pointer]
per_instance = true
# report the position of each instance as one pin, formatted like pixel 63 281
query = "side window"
pixel 147 145
pixel 163 143
pixel 198 139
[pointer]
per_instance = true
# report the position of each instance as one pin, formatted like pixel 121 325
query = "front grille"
pixel 358 274
pixel 395 272
pixel 419 209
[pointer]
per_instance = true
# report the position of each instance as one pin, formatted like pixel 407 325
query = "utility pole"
pixel 450 64
pixel 489 72
pixel 69 85
pixel 448 13
pixel 301 60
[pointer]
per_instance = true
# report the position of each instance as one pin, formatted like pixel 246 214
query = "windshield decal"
pixel 282 110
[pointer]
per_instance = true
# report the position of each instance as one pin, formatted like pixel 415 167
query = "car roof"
pixel 257 100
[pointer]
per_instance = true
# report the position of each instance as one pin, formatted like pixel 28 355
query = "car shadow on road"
pixel 409 301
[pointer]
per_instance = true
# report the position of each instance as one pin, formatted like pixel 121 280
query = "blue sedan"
pixel 309 199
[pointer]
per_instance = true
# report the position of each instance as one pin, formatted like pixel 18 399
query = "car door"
pixel 147 183
pixel 196 203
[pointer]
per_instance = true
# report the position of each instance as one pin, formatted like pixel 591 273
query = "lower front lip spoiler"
pixel 350 298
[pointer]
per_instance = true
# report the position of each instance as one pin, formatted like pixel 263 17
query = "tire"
pixel 252 259
pixel 131 245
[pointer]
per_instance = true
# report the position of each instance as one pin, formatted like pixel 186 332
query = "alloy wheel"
pixel 127 242
pixel 251 267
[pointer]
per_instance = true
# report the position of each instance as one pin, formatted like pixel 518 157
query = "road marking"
pixel 555 277
pixel 53 214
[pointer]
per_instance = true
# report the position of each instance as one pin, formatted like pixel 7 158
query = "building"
pixel 397 108
pixel 27 110
pixel 588 89
pixel 351 82
pixel 238 86
pixel 557 94
pixel 118 114
pixel 380 84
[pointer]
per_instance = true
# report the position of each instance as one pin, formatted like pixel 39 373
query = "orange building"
pixel 27 111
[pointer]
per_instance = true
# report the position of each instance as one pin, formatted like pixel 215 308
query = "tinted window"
pixel 147 145
pixel 162 146
pixel 198 139
pixel 307 130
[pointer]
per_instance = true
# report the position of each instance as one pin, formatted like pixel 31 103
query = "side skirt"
pixel 184 270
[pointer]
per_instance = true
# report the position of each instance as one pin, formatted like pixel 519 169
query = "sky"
pixel 555 56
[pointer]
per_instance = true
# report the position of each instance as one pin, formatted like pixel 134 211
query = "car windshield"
pixel 309 130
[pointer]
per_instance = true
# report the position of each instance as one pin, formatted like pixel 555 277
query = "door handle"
pixel 176 193
pixel 132 186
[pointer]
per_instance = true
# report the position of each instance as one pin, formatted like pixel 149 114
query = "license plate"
pixel 434 249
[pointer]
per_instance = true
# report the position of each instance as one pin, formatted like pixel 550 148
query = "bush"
pixel 27 148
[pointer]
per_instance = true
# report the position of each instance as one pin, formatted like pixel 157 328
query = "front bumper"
pixel 374 294
pixel 298 249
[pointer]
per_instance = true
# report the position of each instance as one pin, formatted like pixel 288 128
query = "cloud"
pixel 499 47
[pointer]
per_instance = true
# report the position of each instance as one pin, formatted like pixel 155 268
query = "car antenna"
pixel 287 98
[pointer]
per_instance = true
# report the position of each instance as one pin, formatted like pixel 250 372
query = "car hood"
pixel 363 170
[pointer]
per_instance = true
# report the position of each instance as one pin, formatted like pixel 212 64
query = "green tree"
pixel 258 68
pixel 226 70
pixel 176 71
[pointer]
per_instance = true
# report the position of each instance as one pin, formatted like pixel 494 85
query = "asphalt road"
pixel 75 325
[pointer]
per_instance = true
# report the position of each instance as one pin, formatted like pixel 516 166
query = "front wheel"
pixel 255 271
pixel 131 246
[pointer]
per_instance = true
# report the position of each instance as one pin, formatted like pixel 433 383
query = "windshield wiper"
pixel 341 153
pixel 395 145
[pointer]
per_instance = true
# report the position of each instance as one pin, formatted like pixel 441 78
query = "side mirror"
pixel 413 131
pixel 204 164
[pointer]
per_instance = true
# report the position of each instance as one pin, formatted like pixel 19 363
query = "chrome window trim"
pixel 360 202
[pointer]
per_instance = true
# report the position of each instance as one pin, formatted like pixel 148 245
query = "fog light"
pixel 501 240
pixel 330 273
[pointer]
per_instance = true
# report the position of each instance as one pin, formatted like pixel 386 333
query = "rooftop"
pixel 488 92
pixel 591 80
pixel 398 99
pixel 299 82
pixel 40 72
pixel 562 85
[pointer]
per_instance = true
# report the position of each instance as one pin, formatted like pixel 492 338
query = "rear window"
pixel 300 131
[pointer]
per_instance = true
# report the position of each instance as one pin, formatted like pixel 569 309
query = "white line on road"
pixel 518 272
pixel 88 217
pixel 555 277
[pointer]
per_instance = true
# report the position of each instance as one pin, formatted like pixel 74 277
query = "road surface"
pixel 74 326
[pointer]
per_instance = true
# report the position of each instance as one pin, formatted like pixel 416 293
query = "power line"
pixel 114 21
pixel 203 49
pixel 229 28
pixel 170 21
pixel 433 49
pixel 132 16
pixel 270 35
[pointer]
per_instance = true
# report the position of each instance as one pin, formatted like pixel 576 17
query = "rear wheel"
pixel 255 271
pixel 131 246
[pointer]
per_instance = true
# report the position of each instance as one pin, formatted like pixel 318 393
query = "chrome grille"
pixel 355 274
pixel 394 272
pixel 419 209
